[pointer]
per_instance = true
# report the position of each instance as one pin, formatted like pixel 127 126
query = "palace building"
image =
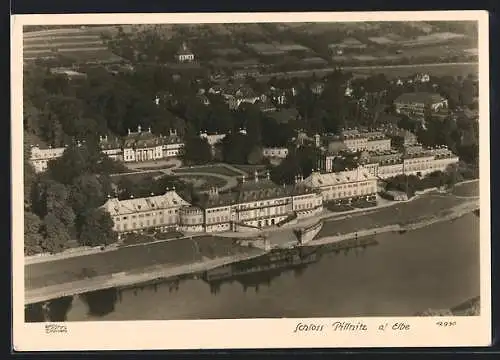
pixel 40 157
pixel 161 212
pixel 275 152
pixel 415 105
pixel 142 146
pixel 344 185
pixel 356 140
pixel 184 54
pixel 111 146
pixel 414 160
pixel 135 147
pixel 253 205
pixel 256 204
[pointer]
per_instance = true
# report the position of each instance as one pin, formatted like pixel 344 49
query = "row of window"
pixel 262 203
pixel 147 223
pixel 158 213
pixel 266 211
pixel 343 194
pixel 418 161
pixel 350 186
pixel 304 206
pixel 218 219
pixel 390 170
pixel 211 211
pixel 193 220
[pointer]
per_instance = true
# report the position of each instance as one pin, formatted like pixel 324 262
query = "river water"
pixel 433 267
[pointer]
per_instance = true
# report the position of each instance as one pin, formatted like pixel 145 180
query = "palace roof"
pixel 251 190
pixel 130 206
pixel 110 143
pixel 317 179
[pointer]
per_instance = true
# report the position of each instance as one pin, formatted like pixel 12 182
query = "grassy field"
pixel 145 238
pixel 137 177
pixel 467 189
pixel 173 252
pixel 80 45
pixel 212 169
pixel 157 167
pixel 418 209
pixel 203 183
pixel 250 169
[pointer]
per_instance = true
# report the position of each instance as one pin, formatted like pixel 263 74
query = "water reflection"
pixel 54 310
pixel 100 302
pixel 263 270
pixel 250 274
pixel 58 309
pixel 34 313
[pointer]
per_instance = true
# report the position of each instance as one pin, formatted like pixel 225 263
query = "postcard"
pixel 250 180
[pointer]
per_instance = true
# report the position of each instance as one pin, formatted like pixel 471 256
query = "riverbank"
pixel 446 215
pixel 326 216
pixel 391 272
pixel 131 278
pixel 471 307
pixel 161 272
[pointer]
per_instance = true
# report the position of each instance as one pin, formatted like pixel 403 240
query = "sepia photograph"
pixel 247 167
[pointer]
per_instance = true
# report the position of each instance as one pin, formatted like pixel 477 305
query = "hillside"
pixel 75 44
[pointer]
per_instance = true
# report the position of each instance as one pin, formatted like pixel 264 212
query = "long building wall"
pixel 162 212
pixel 41 157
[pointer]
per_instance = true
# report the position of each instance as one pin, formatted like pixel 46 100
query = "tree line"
pixel 62 205
pixel 58 111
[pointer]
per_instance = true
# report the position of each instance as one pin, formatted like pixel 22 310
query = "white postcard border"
pixel 255 333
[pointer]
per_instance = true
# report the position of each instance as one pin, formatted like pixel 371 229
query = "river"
pixel 433 267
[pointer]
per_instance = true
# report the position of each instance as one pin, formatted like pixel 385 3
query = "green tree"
pixel 197 150
pixel 97 229
pixel 86 193
pixel 76 160
pixel 56 234
pixel 236 148
pixel 467 92
pixel 51 129
pixel 255 156
pixel 33 238
pixel 31 117
pixel 52 197
pixel 29 175
pixel 287 170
